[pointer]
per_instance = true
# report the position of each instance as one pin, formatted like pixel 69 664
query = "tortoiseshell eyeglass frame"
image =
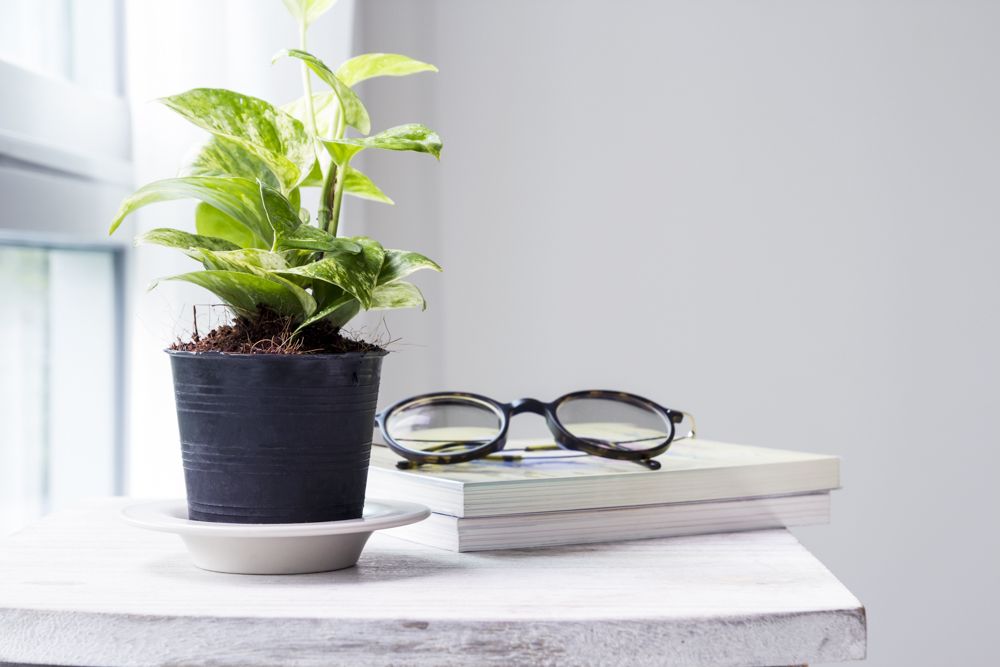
pixel 563 438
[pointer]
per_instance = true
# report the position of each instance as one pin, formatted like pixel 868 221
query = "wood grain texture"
pixel 82 588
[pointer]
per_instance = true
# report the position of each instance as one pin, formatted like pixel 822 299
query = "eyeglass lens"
pixel 614 424
pixel 443 425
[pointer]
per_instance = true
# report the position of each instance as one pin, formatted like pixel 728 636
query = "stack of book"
pixel 702 487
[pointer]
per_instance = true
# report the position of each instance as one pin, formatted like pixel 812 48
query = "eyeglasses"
pixel 454 427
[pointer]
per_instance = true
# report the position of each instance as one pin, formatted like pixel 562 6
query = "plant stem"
pixel 328 216
pixel 307 81
pixel 338 196
pixel 327 201
pixel 323 214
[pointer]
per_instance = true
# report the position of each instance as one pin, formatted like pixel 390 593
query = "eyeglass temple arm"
pixel 678 416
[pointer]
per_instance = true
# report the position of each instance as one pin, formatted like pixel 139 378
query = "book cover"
pixel 692 470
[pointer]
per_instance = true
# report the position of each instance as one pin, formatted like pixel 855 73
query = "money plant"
pixel 260 252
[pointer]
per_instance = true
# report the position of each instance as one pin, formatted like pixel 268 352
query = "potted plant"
pixel 276 408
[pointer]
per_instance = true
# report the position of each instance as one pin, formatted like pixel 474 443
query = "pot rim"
pixel 269 356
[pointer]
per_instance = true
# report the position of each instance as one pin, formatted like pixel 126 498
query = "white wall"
pixel 780 215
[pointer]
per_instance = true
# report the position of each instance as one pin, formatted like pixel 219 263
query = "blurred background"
pixel 779 215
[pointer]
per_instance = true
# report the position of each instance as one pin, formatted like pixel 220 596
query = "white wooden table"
pixel 82 588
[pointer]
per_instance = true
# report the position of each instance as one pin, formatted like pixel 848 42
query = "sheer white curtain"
pixel 171 47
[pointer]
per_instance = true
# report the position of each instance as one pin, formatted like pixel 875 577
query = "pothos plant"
pixel 259 249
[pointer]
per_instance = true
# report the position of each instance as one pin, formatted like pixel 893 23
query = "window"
pixel 76 40
pixel 64 166
pixel 60 376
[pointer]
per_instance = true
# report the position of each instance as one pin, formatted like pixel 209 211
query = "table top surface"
pixel 740 599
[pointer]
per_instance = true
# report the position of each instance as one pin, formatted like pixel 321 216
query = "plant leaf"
pixel 245 292
pixel 281 215
pixel 355 273
pixel 294 200
pixel 292 234
pixel 238 198
pixel 275 137
pixel 257 262
pixel 219 156
pixel 412 137
pixel 175 238
pixel 370 65
pixel 326 110
pixel 210 221
pixel 338 313
pixel 401 263
pixel 315 177
pixel 249 260
pixel 325 293
pixel 307 11
pixel 358 184
pixel 342 151
pixel 399 294
pixel 351 107
pixel 298 258
pixel 307 237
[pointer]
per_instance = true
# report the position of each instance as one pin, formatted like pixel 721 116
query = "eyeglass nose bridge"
pixel 532 405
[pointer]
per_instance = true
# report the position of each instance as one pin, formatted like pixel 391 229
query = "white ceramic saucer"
pixel 275 548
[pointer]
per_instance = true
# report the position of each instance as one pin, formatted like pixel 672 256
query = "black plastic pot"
pixel 275 438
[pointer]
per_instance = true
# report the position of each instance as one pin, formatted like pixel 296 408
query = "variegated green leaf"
pixel 298 258
pixel 399 294
pixel 325 293
pixel 219 156
pixel 307 237
pixel 354 273
pixel 401 263
pixel 354 112
pixel 338 313
pixel 246 292
pixel 238 198
pixel 305 299
pixel 213 222
pixel 370 65
pixel 342 151
pixel 175 238
pixel 275 137
pixel 413 137
pixel 281 214
pixel 315 177
pixel 291 234
pixel 307 11
pixel 245 260
pixel 358 184
pixel 210 221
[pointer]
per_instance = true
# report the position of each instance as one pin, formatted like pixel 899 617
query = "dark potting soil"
pixel 271 333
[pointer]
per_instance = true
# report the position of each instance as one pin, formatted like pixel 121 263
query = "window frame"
pixel 119 261
pixel 60 136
